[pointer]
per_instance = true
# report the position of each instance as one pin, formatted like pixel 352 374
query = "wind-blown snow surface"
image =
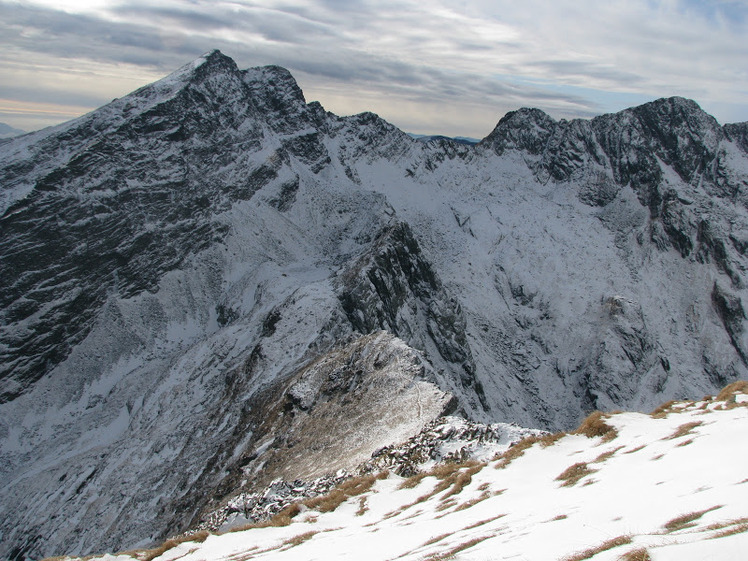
pixel 173 262
pixel 673 484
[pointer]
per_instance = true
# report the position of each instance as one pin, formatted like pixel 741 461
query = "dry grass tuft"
pixel 455 550
pixel 362 508
pixel 483 522
pixel 435 539
pixel 739 529
pixel 663 410
pixel 729 528
pixel 606 455
pixel 686 520
pixel 728 523
pixel 458 480
pixel 171 543
pixel 683 430
pixel 594 425
pixel 298 540
pixel 642 447
pixel 347 489
pixel 571 475
pixel 685 442
pixel 444 505
pixel 472 502
pixel 605 546
pixel 440 471
pixel 282 518
pixel 728 392
pixel 519 448
pixel 640 554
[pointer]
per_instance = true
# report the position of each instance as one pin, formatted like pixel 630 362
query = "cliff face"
pixel 175 264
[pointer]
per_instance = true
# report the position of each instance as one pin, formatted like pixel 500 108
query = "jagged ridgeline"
pixel 210 283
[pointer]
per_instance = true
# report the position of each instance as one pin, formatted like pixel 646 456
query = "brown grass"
pixel 519 448
pixel 571 475
pixel 455 550
pixel 726 524
pixel 347 489
pixel 456 476
pixel 605 546
pixel 436 539
pixel 558 518
pixel 472 502
pixel 483 522
pixel 663 410
pixel 282 518
pixel 606 455
pixel 683 430
pixel 739 529
pixel 459 480
pixel 440 471
pixel 171 543
pixel 444 505
pixel 728 392
pixel 362 508
pixel 594 425
pixel 298 540
pixel 685 442
pixel 640 554
pixel 686 520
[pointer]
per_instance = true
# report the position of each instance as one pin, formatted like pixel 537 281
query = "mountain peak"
pixel 525 129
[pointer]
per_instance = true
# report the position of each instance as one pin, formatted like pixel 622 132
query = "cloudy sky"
pixel 429 66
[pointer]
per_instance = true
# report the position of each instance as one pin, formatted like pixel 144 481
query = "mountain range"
pixel 210 284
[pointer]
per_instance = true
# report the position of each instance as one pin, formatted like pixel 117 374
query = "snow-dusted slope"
pixel 667 486
pixel 172 263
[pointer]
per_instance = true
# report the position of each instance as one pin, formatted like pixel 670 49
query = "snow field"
pixel 673 484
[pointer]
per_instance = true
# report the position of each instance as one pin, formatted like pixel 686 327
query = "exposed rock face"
pixel 177 266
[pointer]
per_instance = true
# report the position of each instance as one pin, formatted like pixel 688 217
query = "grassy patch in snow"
pixel 594 425
pixel 605 546
pixel 639 554
pixel 472 502
pixel 347 489
pixel 518 449
pixel 171 543
pixel 686 520
pixel 729 395
pixel 456 476
pixel 455 550
pixel 683 430
pixel 282 518
pixel 729 527
pixel 728 392
pixel 606 455
pixel 664 410
pixel 483 522
pixel 298 540
pixel 573 474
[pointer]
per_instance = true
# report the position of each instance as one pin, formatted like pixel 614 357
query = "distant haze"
pixel 430 67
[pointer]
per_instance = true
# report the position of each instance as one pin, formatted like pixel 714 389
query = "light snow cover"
pixel 230 235
pixel 672 485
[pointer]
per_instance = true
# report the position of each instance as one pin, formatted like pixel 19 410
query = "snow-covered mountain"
pixel 6 131
pixel 200 279
pixel 628 486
